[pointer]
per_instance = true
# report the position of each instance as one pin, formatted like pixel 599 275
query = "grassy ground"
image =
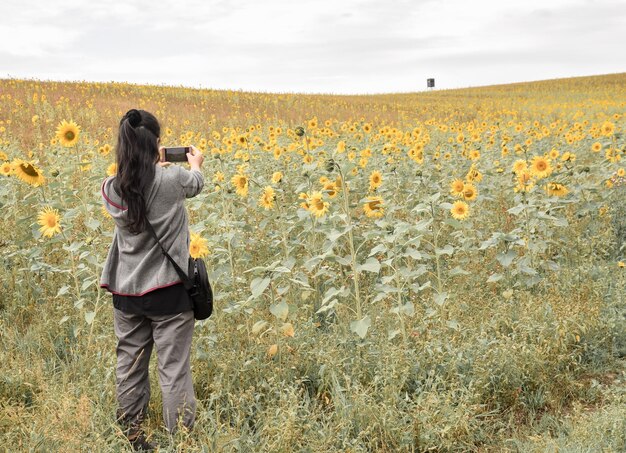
pixel 495 387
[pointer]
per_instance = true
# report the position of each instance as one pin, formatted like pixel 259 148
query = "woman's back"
pixel 135 264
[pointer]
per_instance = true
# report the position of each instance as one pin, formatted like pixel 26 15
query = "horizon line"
pixel 241 90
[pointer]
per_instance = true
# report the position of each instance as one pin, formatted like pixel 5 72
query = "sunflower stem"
pixel 355 272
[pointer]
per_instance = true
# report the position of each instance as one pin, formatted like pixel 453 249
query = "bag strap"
pixel 187 282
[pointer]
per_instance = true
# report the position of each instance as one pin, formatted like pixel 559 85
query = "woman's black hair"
pixel 136 154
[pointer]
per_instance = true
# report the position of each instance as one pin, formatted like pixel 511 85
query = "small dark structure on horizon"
pixel 430 83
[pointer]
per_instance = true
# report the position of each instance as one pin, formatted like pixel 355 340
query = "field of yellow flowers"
pixel 436 271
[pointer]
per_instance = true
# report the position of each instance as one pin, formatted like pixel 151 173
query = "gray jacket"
pixel 135 264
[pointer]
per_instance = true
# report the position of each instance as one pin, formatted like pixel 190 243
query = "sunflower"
pixel 373 207
pixel 474 155
pixel 469 192
pixel 456 187
pixel 3 156
pixel 218 177
pixel 27 172
pixel 519 166
pixel 308 159
pixel 277 177
pixel 557 189
pixel 607 128
pixel 104 150
pixel 68 133
pixel 317 205
pixel 49 220
pixel 267 198
pixel 6 169
pixel 104 212
pixel 331 189
pixel 473 175
pixel 241 184
pixel 553 154
pixel 197 246
pixel 460 210
pixel 305 204
pixel 612 155
pixel 596 147
pixel 524 182
pixel 112 169
pixel 376 179
pixel 540 167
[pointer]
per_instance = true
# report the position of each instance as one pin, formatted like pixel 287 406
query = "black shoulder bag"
pixel 198 287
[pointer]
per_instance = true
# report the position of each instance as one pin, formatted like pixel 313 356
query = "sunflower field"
pixel 435 271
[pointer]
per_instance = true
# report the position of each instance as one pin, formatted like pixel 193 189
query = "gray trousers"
pixel 136 336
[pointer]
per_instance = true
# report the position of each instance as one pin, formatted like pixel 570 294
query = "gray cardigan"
pixel 135 264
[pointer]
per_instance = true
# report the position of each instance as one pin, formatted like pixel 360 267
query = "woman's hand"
pixel 162 162
pixel 195 158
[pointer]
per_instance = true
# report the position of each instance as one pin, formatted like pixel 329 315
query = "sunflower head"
pixel 68 133
pixel 49 221
pixel 374 207
pixel 456 187
pixel 316 204
pixel 267 198
pixel 460 210
pixel 540 167
pixel 277 177
pixel 6 169
pixel 469 192
pixel 241 184
pixel 556 189
pixel 331 189
pixel 197 246
pixel 376 179
pixel 27 172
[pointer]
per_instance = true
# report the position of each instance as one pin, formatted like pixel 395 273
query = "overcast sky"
pixel 314 46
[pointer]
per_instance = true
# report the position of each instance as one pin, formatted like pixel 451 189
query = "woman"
pixel 150 303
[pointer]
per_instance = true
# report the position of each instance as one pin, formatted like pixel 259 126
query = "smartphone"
pixel 176 153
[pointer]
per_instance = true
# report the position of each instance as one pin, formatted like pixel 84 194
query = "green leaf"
pixel 63 290
pixel 258 285
pixel 73 247
pixel 393 333
pixel 506 258
pixel 446 250
pixel 92 224
pixel 494 278
pixel 90 316
pixel 327 306
pixel 280 310
pixel 413 253
pixel 423 224
pixel 454 223
pixel 371 265
pixel 86 284
pixel 378 249
pixel 458 270
pixel 361 326
pixel 408 309
pixel 440 298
